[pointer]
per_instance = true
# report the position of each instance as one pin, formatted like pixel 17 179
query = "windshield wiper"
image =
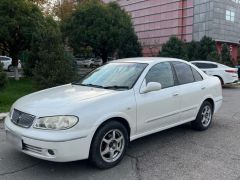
pixel 91 85
pixel 116 87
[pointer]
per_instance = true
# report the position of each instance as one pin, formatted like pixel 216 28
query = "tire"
pixel 104 145
pixel 10 68
pixel 204 117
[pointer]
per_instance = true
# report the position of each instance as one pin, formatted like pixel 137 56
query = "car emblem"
pixel 19 118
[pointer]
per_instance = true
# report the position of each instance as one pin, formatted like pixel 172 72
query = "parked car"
pixel 227 75
pixel 97 62
pixel 87 63
pixel 238 67
pixel 119 102
pixel 7 63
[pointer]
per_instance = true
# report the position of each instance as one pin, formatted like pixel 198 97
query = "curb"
pixel 2 116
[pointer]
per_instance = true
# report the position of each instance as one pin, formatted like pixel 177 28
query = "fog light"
pixel 51 152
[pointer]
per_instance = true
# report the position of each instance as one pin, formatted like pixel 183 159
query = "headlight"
pixel 56 122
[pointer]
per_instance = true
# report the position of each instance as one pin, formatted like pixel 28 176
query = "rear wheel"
pixel 204 117
pixel 10 68
pixel 109 145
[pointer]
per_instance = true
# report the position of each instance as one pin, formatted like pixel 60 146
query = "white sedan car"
pixel 7 63
pixel 227 75
pixel 98 116
pixel 87 63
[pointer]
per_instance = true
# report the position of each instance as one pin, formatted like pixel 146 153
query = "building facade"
pixel 155 21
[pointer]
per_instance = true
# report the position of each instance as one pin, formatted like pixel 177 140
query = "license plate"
pixel 14 140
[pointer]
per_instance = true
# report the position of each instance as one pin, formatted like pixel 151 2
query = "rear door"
pixel 191 88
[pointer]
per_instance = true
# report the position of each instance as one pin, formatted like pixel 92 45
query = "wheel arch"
pixel 211 101
pixel 221 79
pixel 118 119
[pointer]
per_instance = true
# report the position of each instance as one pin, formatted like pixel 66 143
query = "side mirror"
pixel 152 86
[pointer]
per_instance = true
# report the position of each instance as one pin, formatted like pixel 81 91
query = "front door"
pixel 158 109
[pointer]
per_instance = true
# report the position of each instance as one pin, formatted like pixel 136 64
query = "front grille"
pixel 22 119
pixel 33 149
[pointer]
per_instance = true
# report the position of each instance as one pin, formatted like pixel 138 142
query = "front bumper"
pixel 58 151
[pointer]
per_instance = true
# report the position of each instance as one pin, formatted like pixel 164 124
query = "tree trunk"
pixel 14 64
pixel 104 58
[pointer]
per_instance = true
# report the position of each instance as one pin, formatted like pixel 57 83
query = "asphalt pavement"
pixel 176 154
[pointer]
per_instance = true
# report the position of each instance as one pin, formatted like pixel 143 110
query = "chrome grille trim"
pixel 22 119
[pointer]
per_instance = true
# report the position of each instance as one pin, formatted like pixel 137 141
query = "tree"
pixel 103 27
pixel 174 48
pixel 3 77
pixel 39 2
pixel 129 46
pixel 192 50
pixel 225 55
pixel 63 10
pixel 207 49
pixel 19 20
pixel 53 65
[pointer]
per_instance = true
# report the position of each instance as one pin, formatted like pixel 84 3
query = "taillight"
pixel 231 71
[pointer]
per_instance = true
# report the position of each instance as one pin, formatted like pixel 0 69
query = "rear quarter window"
pixel 197 76
pixel 184 73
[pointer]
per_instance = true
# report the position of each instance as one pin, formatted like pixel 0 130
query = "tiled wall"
pixel 156 20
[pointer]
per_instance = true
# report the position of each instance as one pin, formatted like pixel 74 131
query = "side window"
pixel 197 76
pixel 4 59
pixel 161 73
pixel 183 72
pixel 205 65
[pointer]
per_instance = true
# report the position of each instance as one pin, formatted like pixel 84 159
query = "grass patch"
pixel 13 91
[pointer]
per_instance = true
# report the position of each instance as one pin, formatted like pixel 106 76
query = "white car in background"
pixel 119 102
pixel 7 63
pixel 97 62
pixel 227 75
pixel 87 63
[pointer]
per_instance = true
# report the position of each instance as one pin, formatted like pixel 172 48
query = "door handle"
pixel 203 88
pixel 176 94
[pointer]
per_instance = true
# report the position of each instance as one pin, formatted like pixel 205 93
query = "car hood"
pixel 59 100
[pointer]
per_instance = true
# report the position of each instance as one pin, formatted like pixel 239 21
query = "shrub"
pixel 226 56
pixel 174 48
pixel 53 69
pixel 3 77
pixel 51 65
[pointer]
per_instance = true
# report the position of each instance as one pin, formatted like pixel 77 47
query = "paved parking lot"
pixel 179 153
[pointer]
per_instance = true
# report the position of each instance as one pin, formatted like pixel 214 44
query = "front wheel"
pixel 109 145
pixel 204 117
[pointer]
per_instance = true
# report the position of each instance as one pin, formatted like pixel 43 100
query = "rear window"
pixel 205 65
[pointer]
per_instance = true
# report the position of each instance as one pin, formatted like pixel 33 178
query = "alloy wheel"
pixel 112 145
pixel 206 116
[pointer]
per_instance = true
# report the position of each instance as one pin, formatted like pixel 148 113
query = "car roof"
pixel 148 60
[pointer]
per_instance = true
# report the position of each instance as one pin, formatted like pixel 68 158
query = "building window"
pixel 230 15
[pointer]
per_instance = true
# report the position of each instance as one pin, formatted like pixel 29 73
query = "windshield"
pixel 114 76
